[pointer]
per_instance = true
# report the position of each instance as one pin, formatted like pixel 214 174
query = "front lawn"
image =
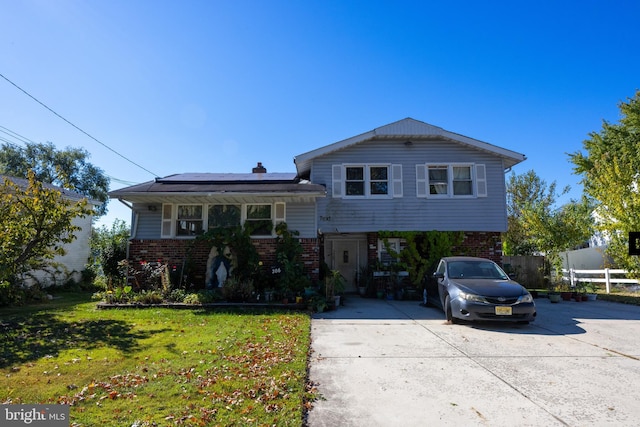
pixel 153 366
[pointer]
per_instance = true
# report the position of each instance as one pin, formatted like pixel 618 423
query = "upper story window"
pixel 451 180
pixel 354 184
pixel 375 181
pixel 438 180
pixel 462 183
pixel 190 220
pixel 379 180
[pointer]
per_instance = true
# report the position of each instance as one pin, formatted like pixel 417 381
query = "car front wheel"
pixel 447 310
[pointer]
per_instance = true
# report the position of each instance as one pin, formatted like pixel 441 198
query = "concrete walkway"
pixel 395 363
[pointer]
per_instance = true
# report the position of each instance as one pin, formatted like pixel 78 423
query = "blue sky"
pixel 217 86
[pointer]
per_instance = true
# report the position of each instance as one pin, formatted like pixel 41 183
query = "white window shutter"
pixel 421 181
pixel 280 215
pixel 481 180
pixel 396 179
pixel 337 181
pixel 167 221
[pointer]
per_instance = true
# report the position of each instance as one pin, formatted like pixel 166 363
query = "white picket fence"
pixel 606 276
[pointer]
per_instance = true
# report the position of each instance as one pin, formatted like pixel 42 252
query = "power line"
pixel 76 127
pixel 25 140
pixel 15 135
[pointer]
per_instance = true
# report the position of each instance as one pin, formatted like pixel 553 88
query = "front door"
pixel 346 257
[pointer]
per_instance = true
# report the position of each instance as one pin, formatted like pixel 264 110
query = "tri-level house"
pixel 404 176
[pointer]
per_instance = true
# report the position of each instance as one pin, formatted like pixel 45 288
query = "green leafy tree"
pixel 610 169
pixel 109 249
pixel 537 225
pixel 525 191
pixel 67 168
pixel 35 222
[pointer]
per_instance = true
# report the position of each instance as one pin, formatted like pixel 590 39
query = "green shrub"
pixel 237 290
pixel 202 297
pixel 11 294
pixel 148 297
pixel 177 295
pixel 191 299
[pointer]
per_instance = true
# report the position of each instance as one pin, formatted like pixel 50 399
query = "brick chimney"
pixel 259 168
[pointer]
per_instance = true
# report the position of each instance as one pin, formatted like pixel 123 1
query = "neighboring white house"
pixel 593 257
pixel 70 265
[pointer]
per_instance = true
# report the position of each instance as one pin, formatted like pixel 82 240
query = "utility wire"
pixel 76 127
pixel 25 140
pixel 15 135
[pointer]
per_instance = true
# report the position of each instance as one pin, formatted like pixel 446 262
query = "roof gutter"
pixel 211 194
pixel 125 203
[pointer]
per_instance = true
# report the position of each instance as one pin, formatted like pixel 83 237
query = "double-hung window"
pixel 462 183
pixel 189 220
pixel 438 180
pixel 451 180
pixel 259 220
pixel 379 180
pixel 355 183
pixel 367 180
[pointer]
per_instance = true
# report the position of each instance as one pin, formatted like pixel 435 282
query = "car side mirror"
pixel 438 275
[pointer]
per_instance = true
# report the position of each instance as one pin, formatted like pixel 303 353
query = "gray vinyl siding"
pixel 299 217
pixel 410 213
pixel 149 222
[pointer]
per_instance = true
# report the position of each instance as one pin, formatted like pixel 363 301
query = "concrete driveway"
pixel 395 363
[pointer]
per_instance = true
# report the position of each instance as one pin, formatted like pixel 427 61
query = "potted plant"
pixel 591 291
pixel 580 293
pixel 554 296
pixel 364 280
pixel 553 290
pixel 334 286
pixel 317 303
pixel 565 292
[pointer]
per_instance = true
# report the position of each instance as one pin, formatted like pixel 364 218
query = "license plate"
pixel 504 311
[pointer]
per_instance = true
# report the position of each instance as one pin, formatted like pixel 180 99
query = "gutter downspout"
pixel 134 224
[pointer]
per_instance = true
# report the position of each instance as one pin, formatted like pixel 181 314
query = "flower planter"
pixel 554 297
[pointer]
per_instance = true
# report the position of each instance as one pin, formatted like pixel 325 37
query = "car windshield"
pixel 475 270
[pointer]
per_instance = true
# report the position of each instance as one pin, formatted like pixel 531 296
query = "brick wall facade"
pixel 482 244
pixel 193 255
pixel 479 244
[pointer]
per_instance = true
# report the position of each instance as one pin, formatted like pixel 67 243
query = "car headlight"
pixel 525 298
pixel 472 297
